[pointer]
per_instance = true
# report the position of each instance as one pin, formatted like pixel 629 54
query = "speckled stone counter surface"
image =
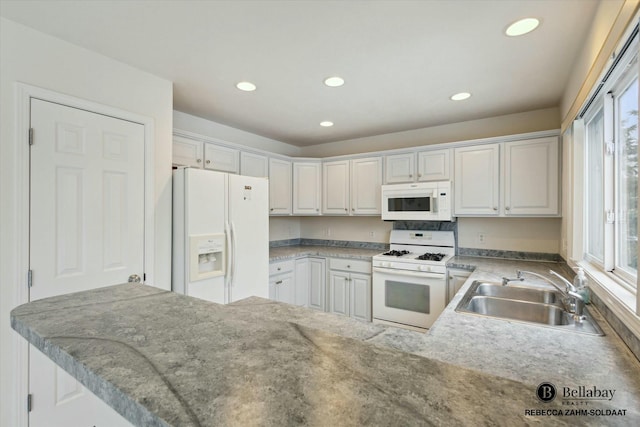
pixel 164 359
pixel 523 352
pixel 297 251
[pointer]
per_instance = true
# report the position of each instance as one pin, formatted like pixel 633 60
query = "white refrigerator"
pixel 220 235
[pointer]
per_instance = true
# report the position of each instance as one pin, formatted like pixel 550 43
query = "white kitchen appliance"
pixel 421 201
pixel 409 281
pixel 220 235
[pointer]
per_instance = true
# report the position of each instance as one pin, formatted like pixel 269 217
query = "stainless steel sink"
pixel 518 293
pixel 523 304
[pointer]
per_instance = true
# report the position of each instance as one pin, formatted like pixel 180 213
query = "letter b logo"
pixel 546 392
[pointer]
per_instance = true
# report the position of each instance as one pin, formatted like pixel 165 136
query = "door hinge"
pixel 30 278
pixel 29 402
pixel 30 136
pixel 611 217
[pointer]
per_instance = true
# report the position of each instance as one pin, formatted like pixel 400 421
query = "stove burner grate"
pixel 396 253
pixel 431 257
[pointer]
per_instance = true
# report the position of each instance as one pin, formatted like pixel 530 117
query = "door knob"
pixel 134 278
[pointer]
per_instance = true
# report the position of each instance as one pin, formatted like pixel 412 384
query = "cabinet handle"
pixel 279 268
pixel 271 209
pixel 345 209
pixel 495 208
pixel 507 208
pixel 208 161
pixel 317 210
pixel 410 175
pixel 419 175
pixel 279 282
pixel 199 160
pixel 348 266
pixel 353 209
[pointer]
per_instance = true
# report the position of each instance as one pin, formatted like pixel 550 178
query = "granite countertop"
pixel 291 252
pixel 260 362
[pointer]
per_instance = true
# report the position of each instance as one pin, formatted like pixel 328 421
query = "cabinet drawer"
pixel 346 264
pixel 281 267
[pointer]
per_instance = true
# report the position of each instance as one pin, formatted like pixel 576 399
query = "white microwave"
pixel 421 201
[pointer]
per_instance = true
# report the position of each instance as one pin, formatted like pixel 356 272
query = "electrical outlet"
pixel 482 238
pixel 327 232
pixel 289 231
pixel 372 234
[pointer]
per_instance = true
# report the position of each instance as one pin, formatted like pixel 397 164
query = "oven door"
pixel 406 297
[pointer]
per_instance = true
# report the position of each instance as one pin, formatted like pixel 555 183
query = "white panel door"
pixel 531 177
pixel 366 182
pixel 360 288
pixel 339 292
pixel 86 231
pixel 279 187
pixel 254 165
pixel 335 188
pixel 477 180
pixel 221 159
pixel 306 188
pixel 187 152
pixel 434 165
pixel 400 168
pixel 302 282
pixel 317 283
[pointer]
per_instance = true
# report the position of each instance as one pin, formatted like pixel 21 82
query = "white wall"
pixel 283 228
pixel 216 130
pixel 356 229
pixel 37 59
pixel 511 234
pixel 530 121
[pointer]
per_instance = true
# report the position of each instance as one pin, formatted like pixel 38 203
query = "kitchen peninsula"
pixel 163 359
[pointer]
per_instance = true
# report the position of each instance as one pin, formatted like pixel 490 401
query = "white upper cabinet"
pixel 335 188
pixel 477 180
pixel 254 165
pixel 187 152
pixel 517 178
pixel 531 172
pixel 399 168
pixel 221 159
pixel 306 188
pixel 366 180
pixel 434 165
pixel 279 187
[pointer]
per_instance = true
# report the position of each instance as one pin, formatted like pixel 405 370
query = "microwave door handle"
pixel 434 201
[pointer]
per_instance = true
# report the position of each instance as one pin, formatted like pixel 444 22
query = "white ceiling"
pixel 401 60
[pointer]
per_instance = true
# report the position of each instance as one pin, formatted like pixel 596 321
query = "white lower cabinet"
pixel 350 288
pixel 317 283
pixel 455 279
pixel 282 282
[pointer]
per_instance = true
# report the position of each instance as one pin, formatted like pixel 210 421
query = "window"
pixel 611 175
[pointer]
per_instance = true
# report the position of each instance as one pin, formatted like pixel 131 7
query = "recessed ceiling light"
pixel 326 124
pixel 460 96
pixel 522 26
pixel 334 81
pixel 246 86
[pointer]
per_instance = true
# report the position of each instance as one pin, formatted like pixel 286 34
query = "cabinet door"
pixel 302 282
pixel 254 165
pixel 282 288
pixel 531 177
pixel 279 186
pixel 477 180
pixel 455 279
pixel 187 152
pixel 339 292
pixel 434 165
pixel 335 188
pixel 360 296
pixel 400 168
pixel 221 159
pixel 306 188
pixel 366 179
pixel 317 283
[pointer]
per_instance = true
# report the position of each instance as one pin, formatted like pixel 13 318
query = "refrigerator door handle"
pixel 227 278
pixel 233 252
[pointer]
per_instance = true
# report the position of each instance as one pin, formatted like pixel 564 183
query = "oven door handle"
pixel 420 274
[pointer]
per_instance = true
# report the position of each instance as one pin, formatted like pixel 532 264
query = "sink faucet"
pixel 570 291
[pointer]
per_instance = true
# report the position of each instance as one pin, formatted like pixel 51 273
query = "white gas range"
pixel 409 281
